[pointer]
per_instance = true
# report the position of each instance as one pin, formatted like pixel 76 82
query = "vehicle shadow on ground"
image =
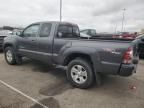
pixel 1 52
pixel 112 85
pixel 59 85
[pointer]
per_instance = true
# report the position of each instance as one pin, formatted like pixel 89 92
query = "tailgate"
pixel 112 55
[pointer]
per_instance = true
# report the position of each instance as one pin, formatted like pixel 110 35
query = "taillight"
pixel 128 56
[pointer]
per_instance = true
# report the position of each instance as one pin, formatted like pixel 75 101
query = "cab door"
pixel 28 43
pixel 45 42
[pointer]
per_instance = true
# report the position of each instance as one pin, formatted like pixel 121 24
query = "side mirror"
pixel 19 33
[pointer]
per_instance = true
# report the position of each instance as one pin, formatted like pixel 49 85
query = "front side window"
pixel 31 31
pixel 45 30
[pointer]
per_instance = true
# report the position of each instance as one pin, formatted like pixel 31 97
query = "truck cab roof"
pixel 55 22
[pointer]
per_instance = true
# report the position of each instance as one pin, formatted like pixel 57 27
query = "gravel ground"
pixel 49 86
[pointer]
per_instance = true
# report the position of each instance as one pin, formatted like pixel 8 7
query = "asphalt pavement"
pixel 34 84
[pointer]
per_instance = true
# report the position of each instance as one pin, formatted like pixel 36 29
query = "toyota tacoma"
pixel 60 43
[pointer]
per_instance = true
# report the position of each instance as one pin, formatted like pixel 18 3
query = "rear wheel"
pixel 80 73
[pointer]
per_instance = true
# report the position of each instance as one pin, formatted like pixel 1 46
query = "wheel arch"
pixel 73 56
pixel 90 55
pixel 7 45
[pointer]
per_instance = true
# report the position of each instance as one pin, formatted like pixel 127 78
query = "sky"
pixel 102 15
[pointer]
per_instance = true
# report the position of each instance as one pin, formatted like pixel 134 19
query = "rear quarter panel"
pixel 106 56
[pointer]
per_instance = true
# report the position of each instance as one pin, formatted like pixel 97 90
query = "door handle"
pixel 32 40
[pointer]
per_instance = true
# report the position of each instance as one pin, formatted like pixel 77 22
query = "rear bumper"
pixel 127 70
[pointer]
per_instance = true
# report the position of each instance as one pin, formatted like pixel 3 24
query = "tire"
pixel 10 56
pixel 75 78
pixel 15 58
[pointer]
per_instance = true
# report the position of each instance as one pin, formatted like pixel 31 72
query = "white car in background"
pixel 84 35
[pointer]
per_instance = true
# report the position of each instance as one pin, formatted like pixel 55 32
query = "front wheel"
pixel 80 73
pixel 10 56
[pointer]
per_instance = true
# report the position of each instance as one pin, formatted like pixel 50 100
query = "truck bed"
pixel 107 39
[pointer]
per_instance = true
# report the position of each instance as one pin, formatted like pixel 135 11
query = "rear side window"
pixel 45 30
pixel 67 31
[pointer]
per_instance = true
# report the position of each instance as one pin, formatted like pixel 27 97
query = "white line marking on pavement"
pixel 23 94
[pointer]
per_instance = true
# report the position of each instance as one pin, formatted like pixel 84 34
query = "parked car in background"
pixel 1 41
pixel 60 43
pixel 17 31
pixel 140 41
pixel 89 32
pixel 125 35
pixel 93 33
pixel 3 34
pixel 82 35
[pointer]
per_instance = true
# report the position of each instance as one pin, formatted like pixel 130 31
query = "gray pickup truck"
pixel 60 43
